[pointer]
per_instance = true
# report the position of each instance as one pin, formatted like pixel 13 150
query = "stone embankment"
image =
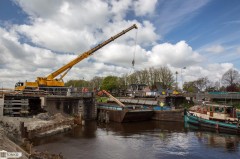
pixel 7 145
pixel 38 126
pixel 21 129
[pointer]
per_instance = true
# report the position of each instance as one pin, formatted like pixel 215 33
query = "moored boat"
pixel 124 114
pixel 221 118
pixel 121 112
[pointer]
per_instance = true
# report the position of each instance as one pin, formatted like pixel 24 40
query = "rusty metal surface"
pixel 169 115
pixel 127 115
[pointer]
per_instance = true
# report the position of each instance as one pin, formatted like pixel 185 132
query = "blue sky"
pixel 213 22
pixel 202 35
pixel 11 13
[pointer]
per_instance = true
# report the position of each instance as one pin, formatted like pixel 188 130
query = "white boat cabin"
pixel 216 112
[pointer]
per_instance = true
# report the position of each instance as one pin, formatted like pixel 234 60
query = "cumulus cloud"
pixel 215 49
pixel 212 71
pixel 119 8
pixel 64 26
pixel 120 54
pixel 143 7
pixel 78 25
pixel 178 55
pixel 25 62
pixel 30 61
pixel 58 31
pixel 52 36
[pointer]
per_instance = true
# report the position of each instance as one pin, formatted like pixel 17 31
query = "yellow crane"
pixel 52 81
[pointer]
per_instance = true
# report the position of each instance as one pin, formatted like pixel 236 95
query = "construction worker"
pixel 161 105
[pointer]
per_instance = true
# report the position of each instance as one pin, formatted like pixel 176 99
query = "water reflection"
pixel 229 142
pixel 151 139
pixel 128 129
pixel 87 131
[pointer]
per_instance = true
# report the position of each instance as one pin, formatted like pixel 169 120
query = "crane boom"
pixel 113 98
pixel 88 53
pixel 52 81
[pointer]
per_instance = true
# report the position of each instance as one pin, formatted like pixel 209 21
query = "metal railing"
pixel 55 91
pixel 218 95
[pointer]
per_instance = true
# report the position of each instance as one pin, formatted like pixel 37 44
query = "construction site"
pixel 45 107
pixel 111 79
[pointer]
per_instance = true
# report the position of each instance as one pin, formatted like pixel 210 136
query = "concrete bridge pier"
pixel 75 106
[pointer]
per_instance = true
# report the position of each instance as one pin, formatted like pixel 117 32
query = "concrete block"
pixel 128 100
pixel 43 102
pixel 155 103
pixel 148 102
pixel 141 101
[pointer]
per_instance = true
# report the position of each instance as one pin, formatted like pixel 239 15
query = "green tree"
pixel 231 80
pixel 230 77
pixel 190 87
pixel 96 82
pixel 152 75
pixel 165 76
pixel 110 83
pixel 202 83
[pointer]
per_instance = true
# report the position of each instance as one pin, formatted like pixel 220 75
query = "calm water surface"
pixel 145 140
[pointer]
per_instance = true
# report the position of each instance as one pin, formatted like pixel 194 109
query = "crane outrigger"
pixel 52 81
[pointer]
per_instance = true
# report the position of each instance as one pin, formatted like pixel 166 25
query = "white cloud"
pixel 41 8
pixel 143 7
pixel 178 55
pixel 69 27
pixel 215 49
pixel 122 55
pixel 75 26
pixel 212 71
pixel 25 62
pixel 56 27
pixel 29 62
pixel 146 34
pixel 52 36
pixel 119 8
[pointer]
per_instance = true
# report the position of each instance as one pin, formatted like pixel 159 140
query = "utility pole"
pixel 182 75
pixel 176 80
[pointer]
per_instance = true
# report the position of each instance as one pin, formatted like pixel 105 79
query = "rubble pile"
pixel 41 125
pixel 43 116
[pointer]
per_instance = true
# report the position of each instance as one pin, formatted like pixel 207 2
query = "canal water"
pixel 141 140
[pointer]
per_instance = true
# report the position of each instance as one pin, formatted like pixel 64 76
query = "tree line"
pixel 230 81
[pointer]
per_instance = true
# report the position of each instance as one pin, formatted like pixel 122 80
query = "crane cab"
pixel 19 86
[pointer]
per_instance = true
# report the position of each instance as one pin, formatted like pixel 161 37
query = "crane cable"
pixel 134 51
pixel 133 61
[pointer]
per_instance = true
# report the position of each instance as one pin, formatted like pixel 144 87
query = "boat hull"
pixel 125 115
pixel 176 115
pixel 218 126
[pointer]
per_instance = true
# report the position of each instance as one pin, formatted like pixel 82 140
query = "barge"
pixel 124 114
pixel 176 115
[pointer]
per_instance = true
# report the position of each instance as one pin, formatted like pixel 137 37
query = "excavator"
pixel 52 81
